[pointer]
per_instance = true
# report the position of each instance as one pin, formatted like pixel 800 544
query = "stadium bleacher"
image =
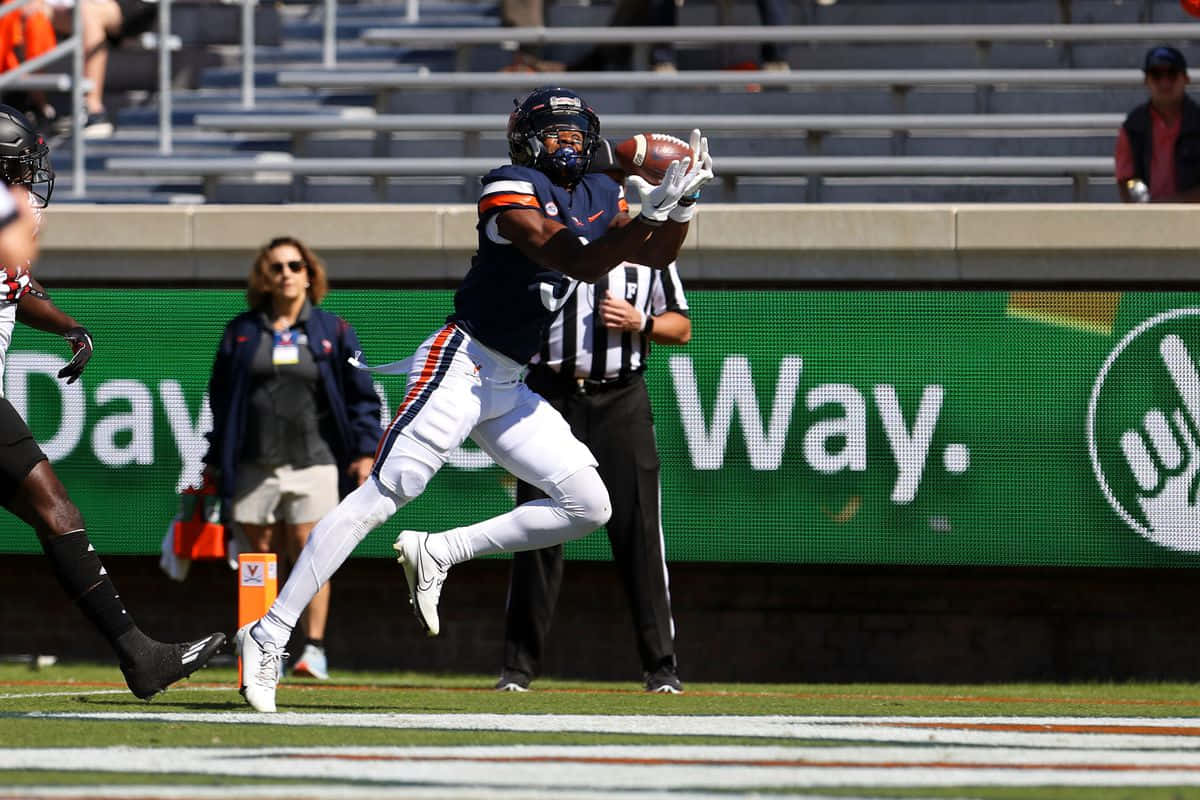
pixel 921 100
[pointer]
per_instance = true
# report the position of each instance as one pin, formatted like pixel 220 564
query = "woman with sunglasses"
pixel 294 425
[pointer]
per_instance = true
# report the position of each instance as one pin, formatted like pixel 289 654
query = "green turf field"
pixel 74 729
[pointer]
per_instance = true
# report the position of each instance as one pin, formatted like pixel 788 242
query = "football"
pixel 649 154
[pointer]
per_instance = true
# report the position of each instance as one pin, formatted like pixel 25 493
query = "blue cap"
pixel 1163 56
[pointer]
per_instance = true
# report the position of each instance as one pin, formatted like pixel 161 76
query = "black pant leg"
pixel 533 586
pixel 629 466
pixel 773 12
pixel 534 581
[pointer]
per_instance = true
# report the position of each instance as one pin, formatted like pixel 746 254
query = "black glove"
pixel 81 346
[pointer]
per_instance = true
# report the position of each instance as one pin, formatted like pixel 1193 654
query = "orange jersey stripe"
pixel 508 199
pixel 427 371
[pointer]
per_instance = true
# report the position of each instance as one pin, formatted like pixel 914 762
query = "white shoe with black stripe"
pixel 425 577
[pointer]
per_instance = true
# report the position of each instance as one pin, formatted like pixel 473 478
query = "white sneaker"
pixel 312 663
pixel 261 665
pixel 424 575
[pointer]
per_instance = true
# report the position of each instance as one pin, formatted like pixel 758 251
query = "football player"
pixel 544 224
pixel 29 488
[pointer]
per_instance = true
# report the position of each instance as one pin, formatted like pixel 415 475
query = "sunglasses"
pixel 294 266
pixel 1155 74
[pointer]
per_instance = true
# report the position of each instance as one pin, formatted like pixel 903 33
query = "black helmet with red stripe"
pixel 24 156
pixel 540 116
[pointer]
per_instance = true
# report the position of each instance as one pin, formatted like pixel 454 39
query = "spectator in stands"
pixel 105 24
pixel 774 54
pixel 662 54
pixel 26 34
pixel 1158 146
pixel 527 14
pixel 620 56
pixel 294 425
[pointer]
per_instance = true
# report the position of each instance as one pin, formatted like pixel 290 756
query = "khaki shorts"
pixel 266 495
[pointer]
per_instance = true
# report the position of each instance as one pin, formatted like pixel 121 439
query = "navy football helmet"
pixel 540 116
pixel 24 157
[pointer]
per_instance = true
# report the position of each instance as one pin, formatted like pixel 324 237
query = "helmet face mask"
pixel 541 116
pixel 32 171
pixel 24 157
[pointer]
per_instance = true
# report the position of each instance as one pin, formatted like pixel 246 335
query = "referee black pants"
pixel 618 426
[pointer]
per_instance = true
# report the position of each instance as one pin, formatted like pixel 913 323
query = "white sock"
pixel 328 547
pixel 577 506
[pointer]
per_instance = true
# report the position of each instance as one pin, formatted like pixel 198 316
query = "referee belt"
pixel 585 386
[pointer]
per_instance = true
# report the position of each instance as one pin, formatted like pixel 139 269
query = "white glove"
pixel 702 174
pixel 658 201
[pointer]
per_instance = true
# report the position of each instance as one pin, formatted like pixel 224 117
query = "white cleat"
pixel 261 665
pixel 425 577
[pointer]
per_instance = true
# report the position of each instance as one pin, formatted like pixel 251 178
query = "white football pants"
pixel 457 388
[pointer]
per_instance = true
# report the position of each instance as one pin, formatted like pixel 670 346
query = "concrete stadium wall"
pixel 737 244
pixel 743 622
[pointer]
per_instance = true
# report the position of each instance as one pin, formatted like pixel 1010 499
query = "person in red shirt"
pixel 1158 146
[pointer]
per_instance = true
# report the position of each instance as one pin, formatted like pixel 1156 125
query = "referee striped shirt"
pixel 581 345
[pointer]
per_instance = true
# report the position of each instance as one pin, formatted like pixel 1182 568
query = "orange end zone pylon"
pixel 257 586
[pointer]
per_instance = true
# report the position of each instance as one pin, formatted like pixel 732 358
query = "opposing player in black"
pixel 544 224
pixel 29 488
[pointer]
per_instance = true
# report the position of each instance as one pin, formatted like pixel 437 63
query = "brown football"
pixel 649 154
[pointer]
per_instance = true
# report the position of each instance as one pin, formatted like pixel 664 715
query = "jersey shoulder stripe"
pixel 503 189
pixel 511 186
pixel 507 200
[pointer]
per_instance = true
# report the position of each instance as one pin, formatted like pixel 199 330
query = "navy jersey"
pixel 507 301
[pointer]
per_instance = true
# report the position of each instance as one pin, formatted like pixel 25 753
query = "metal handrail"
pixel 758 166
pixel 724 34
pixel 641 37
pixel 329 51
pixel 248 53
pixel 74 46
pixel 165 145
pixel 1078 168
pixel 794 124
pixel 710 79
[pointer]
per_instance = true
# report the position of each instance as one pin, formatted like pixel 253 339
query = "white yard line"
pixel 94 692
pixel 619 770
pixel 888 751
pixel 1075 732
pixel 325 791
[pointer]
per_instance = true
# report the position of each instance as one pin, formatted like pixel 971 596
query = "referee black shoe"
pixel 512 681
pixel 664 680
pixel 163 664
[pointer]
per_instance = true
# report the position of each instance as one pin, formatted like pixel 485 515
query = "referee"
pixel 590 368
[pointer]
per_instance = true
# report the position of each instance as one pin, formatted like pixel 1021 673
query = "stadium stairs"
pixel 208 81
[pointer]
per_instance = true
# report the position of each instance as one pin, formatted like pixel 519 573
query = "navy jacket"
pixel 348 394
